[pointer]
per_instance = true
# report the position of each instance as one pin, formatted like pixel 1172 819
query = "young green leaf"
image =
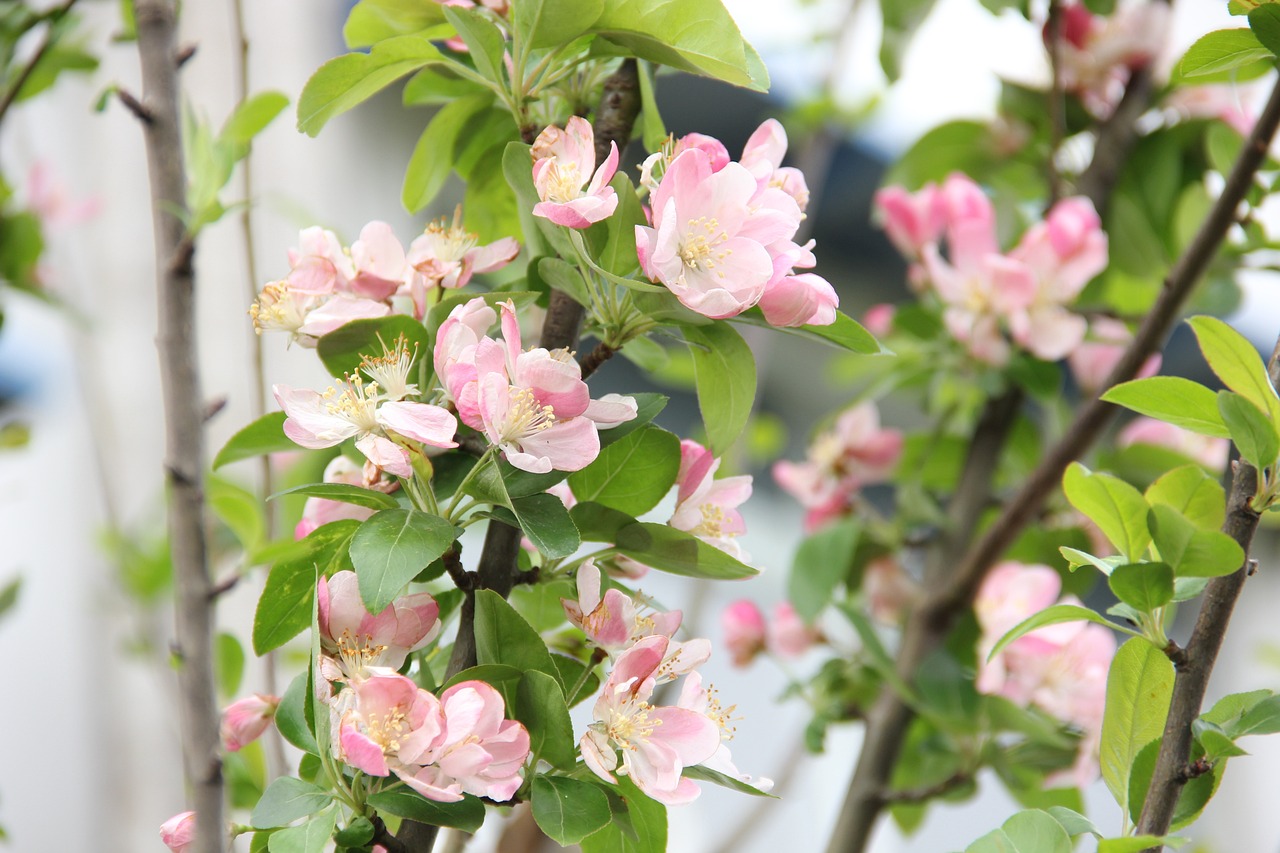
pixel 670 550
pixel 633 474
pixel 1221 50
pixel 239 509
pixel 725 374
pixel 1236 363
pixel 228 664
pixel 310 837
pixel 821 563
pixel 264 435
pixel 1173 400
pixel 715 777
pixel 484 40
pixel 284 609
pixel 251 117
pixel 1118 509
pixel 546 522
pixel 368 498
pixel 286 800
pixel 568 810
pixel 1054 615
pixel 434 156
pixel 467 814
pixel 372 21
pixel 345 81
pixel 1191 552
pixel 540 705
pixel 1143 586
pixel 653 129
pixel 503 636
pixel 1138 689
pixel 551 23
pixel 1193 493
pixel 639 824
pixel 1251 430
pixel 291 716
pixel 845 333
pixel 391 548
pixel 1265 23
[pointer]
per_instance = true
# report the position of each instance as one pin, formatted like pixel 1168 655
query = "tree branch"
pixel 51 18
pixel 1195 662
pixel 927 629
pixel 184 410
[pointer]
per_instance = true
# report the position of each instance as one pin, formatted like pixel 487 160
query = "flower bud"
pixel 244 720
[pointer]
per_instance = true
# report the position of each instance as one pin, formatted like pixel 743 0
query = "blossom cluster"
pixel 1061 669
pixel 629 735
pixel 329 284
pixel 855 452
pixel 747 634
pixel 991 300
pixel 533 404
pixel 383 723
pixel 1099 53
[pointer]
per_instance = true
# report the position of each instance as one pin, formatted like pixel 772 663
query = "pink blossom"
pixel 320 265
pixel 856 452
pixel 1093 360
pixel 799 300
pixel 706 245
pixel 614 621
pixel 244 720
pixel 1210 452
pixel 379 258
pixel 878 319
pixel 762 157
pixel 457 340
pixel 448 255
pixel 655 165
pixel 1220 101
pixel 1011 593
pixel 888 589
pixel 1098 53
pixel 335 313
pixel 179 832
pixel 707 507
pixel 479 752
pixel 385 723
pixel 744 631
pixel 704 701
pixel 358 640
pixel 317 512
pixel 788 636
pixel 563 161
pixel 656 742
pixel 911 220
pixel 48 198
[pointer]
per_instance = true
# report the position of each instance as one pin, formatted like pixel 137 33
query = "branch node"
pixel 1178 655
pixel 184 54
pixel 1251 567
pixel 213 407
pixel 140 110
pixel 530 577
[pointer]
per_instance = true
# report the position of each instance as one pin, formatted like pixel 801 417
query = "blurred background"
pixel 91 759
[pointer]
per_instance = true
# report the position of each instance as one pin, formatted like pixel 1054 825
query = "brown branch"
pixel 382 836
pixel 598 356
pixel 52 17
pixel 928 792
pixel 140 110
pixel 930 624
pixel 184 436
pixel 1115 139
pixel 1195 662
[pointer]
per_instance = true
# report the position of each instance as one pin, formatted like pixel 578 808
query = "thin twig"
pixel 51 22
pixel 184 433
pixel 928 792
pixel 594 359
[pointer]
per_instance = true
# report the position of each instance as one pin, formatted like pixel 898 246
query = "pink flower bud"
pixel 244 720
pixel 179 832
pixel 879 319
pixel 744 630
pixel 788 635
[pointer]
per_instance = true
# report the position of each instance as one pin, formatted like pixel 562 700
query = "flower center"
pixel 630 724
pixel 387 731
pixel 699 249
pixel 276 308
pixel 526 416
pixel 563 184
pixel 712 524
pixel 391 369
pixel 354 402
pixel 721 716
pixel 358 652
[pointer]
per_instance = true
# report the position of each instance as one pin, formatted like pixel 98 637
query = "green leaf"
pixel 1077 558
pixel 1052 616
pixel 1221 50
pixel 1173 400
pixel 724 371
pixel 552 23
pixel 1143 586
pixel 1118 509
pixel 287 799
pixel 845 333
pixel 1073 822
pixel 633 474
pixel 1193 493
pixel 542 237
pixel 343 349
pixel 265 435
pixel 1136 843
pixel 568 810
pixel 228 663
pixel 438 84
pixel 821 563
pixel 679 553
pixel 1139 687
pixel 369 498
pixel 484 40
pixel 251 117
pixel 1193 553
pixel 616 235
pixel 1228 711
pixel 372 21
pixel 1252 431
pixel 345 81
pixel 1265 23
pixel 237 508
pixel 1262 719
pixel 570 673
pixel 310 837
pixel 599 523
pixel 434 156
pixel 291 716
pixel 653 129
pixel 1036 831
pixel 1215 742
pixel 561 275
pixel 287 601
pixel 540 705
pixel 639 824
pixel 358 833
pixel 546 522
pixel 503 636
pixel 715 777
pixel 391 548
pixel 467 814
pixel 698 36
pixel 1236 363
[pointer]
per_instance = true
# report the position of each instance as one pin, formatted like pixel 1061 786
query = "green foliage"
pixel 1117 508
pixel 677 552
pixel 291 716
pixel 1236 363
pixel 467 814
pixel 568 810
pixel 368 498
pixel 287 601
pixel 371 21
pixel 540 705
pixel 725 372
pixel 553 23
pixel 310 837
pixel 1139 686
pixel 1252 431
pixel 1193 493
pixel 1054 615
pixel 1143 586
pixel 390 549
pixel 287 799
pixel 1265 23
pixel 821 563
pixel 504 637
pixel 1174 400
pixel 1222 50
pixel 228 664
pixel 1031 831
pixel 449 130
pixel 343 349
pixel 264 435
pixel 633 474
pixel 638 825
pixel 901 20
pixel 1190 551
